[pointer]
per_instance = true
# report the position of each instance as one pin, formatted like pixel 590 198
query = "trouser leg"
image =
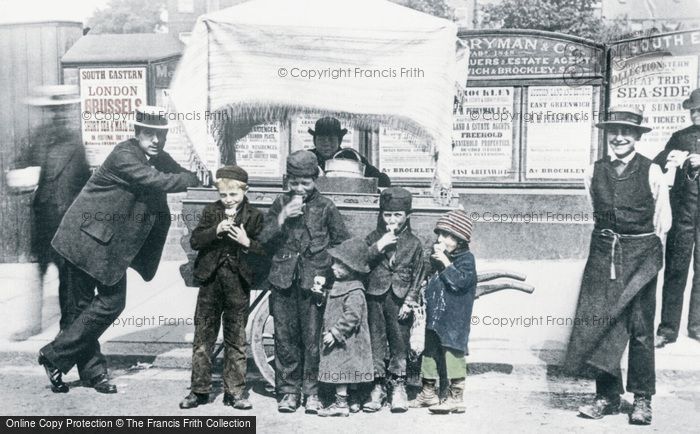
pixel 694 309
pixel 288 344
pixel 455 364
pixel 641 377
pixel 432 357
pixel 398 335
pixel 234 320
pixel 377 333
pixel 679 248
pixel 311 316
pixel 207 319
pixel 609 385
pixel 78 343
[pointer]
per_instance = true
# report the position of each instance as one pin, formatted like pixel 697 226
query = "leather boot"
pixel 601 406
pixel 194 400
pixel 454 403
pixel 376 398
pixel 641 410
pixel 399 399
pixel 338 408
pixel 289 403
pixel 313 404
pixel 427 397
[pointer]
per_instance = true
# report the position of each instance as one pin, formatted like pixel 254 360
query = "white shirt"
pixel 659 190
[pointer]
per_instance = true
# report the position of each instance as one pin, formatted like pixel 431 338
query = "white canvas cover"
pixel 248 60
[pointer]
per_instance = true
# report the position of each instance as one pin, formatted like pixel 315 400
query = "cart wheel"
pixel 262 340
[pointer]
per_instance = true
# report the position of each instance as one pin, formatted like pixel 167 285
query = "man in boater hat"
pixel 120 219
pixel 617 301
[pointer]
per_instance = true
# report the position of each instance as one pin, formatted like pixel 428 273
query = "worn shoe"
pixel 601 406
pixel 101 384
pixel 641 411
pixel 377 397
pixel 399 399
pixel 313 404
pixel 55 375
pixel 239 402
pixel 454 403
pixel 338 408
pixel 289 403
pixel 661 341
pixel 194 400
pixel 427 397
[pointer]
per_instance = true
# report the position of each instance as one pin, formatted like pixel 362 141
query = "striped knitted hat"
pixel 457 223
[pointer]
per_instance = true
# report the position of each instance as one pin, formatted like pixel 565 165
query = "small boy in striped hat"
pixel 449 298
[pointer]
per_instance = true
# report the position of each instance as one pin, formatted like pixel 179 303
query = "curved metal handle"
pixel 489 288
pixel 495 274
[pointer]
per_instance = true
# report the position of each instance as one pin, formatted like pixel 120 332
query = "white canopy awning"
pixel 367 61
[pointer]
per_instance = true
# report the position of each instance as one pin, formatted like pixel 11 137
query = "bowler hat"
pixel 624 116
pixel 232 172
pixel 395 199
pixel 353 253
pixel 694 101
pixel 328 126
pixel 149 116
pixel 457 223
pixel 61 94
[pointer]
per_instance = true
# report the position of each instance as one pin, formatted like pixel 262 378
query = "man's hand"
pixel 386 240
pixel 223 227
pixel 239 235
pixel 694 160
pixel 328 339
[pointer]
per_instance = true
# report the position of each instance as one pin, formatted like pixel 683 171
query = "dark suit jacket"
pixel 684 193
pixel 121 217
pixel 304 255
pixel 404 275
pixel 215 250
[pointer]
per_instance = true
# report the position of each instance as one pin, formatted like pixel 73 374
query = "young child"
pixel 395 256
pixel 449 297
pixel 226 239
pixel 346 356
pixel 300 227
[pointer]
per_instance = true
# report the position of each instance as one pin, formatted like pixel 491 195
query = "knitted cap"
pixel 395 199
pixel 353 253
pixel 457 223
pixel 232 172
pixel 302 164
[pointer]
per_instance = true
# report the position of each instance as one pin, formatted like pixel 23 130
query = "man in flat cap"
pixel 120 219
pixel 682 154
pixel 328 136
pixel 617 301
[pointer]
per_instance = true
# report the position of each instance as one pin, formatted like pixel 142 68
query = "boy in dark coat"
pixel 617 300
pixel 449 298
pixel 346 356
pixel 300 227
pixel 226 239
pixel 395 258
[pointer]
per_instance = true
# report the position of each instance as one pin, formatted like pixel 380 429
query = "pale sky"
pixel 16 11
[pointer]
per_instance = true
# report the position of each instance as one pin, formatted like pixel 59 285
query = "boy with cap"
pixel 395 256
pixel 632 212
pixel 449 298
pixel 300 227
pixel 345 357
pixel 226 238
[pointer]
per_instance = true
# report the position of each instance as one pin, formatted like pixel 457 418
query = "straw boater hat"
pixel 55 95
pixel 624 116
pixel 150 116
pixel 694 101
